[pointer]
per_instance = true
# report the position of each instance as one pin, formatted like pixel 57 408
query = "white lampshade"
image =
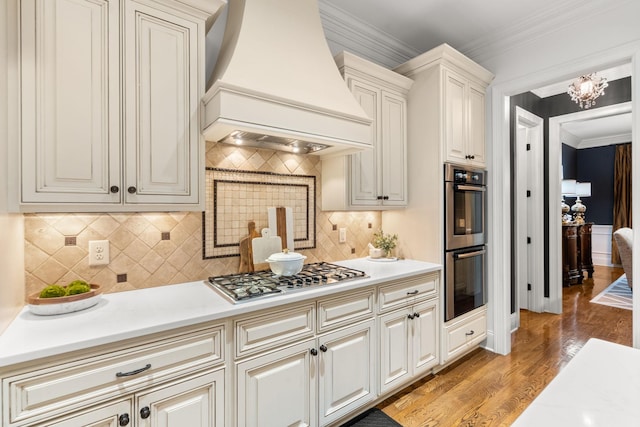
pixel 583 189
pixel 569 187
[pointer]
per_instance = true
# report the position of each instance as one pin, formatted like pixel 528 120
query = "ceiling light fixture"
pixel 585 89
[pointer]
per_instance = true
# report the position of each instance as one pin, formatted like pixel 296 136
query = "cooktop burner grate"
pixel 246 286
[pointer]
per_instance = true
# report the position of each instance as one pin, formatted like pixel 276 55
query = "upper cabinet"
pixel 376 178
pixel 110 104
pixel 451 95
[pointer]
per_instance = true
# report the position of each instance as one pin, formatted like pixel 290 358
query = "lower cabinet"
pixel 172 380
pixel 463 334
pixel 111 415
pixel 408 343
pixel 310 383
pixel 194 402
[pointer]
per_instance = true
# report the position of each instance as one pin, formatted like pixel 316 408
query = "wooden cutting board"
pixel 265 246
pixel 281 224
pixel 246 249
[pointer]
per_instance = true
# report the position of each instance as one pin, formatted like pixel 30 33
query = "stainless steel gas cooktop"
pixel 247 286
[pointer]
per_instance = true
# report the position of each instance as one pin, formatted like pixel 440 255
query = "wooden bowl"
pixel 66 304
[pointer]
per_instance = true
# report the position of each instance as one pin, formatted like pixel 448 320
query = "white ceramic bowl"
pixel 286 263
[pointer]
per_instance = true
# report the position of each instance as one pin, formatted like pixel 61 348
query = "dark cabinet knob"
pixel 313 352
pixel 472 157
pixel 416 314
pixel 123 420
pixel 132 190
pixel 385 198
pixel 410 316
pixel 145 412
pixel 379 198
pixel 323 348
pixel 114 189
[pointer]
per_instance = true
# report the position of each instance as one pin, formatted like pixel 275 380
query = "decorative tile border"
pixel 233 198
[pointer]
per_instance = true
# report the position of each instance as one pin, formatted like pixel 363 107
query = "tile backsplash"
pixel 154 249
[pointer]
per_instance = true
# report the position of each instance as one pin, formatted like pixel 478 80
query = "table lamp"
pixel 583 189
pixel 569 190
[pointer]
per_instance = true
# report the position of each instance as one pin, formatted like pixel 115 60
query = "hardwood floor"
pixel 487 389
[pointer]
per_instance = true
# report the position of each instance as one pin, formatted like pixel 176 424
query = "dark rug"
pixel 373 417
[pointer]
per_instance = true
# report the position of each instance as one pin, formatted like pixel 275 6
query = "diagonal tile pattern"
pixel 136 244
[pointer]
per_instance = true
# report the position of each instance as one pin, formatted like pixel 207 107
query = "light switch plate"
pixel 343 235
pixel 98 252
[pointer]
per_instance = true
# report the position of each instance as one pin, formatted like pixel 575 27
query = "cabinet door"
pixel 278 389
pixel 161 81
pixel 347 377
pixel 70 132
pixel 365 177
pixel 394 149
pixel 105 416
pixel 476 143
pixel 455 117
pixel 197 402
pixel 394 348
pixel 424 334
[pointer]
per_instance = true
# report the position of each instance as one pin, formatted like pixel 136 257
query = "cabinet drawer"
pixel 344 310
pixel 269 330
pixel 464 335
pixel 407 291
pixel 76 384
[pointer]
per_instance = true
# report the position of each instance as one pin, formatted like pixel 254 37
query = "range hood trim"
pixel 229 108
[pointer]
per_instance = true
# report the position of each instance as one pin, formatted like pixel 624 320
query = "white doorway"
pixel 529 213
pixel 555 163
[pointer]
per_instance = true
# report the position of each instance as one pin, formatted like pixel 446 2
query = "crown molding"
pixel 605 140
pixel 346 32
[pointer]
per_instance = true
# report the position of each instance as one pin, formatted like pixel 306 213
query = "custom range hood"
pixel 276 85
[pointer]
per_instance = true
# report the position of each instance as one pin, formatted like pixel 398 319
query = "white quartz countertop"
pixel 600 386
pixel 124 315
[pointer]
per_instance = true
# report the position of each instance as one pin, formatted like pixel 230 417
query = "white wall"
pixel 11 225
pixel 610 36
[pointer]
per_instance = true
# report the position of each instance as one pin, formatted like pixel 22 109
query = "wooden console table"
pixel 576 253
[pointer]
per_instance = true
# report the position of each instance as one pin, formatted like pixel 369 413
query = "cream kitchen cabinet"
pixel 376 178
pixel 318 378
pixel 463 120
pixel 159 383
pixel 408 330
pixel 110 101
pixel 448 106
pixel 463 334
pixel 192 402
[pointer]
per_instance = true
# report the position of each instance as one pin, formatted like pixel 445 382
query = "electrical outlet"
pixel 343 235
pixel 98 252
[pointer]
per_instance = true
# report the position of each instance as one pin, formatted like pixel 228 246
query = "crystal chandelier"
pixel 586 89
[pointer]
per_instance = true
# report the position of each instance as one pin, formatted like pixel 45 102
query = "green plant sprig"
pixel 386 242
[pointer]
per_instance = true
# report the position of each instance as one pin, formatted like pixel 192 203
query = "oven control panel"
pixel 465 176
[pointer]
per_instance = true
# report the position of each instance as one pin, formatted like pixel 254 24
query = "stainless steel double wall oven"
pixel 465 239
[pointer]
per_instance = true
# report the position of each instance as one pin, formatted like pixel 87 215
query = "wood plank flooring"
pixel 487 389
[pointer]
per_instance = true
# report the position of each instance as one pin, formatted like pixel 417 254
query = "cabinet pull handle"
pixel 132 190
pixel 323 348
pixel 413 292
pixel 410 316
pixel 313 352
pixel 136 372
pixel 145 412
pixel 114 189
pixel 123 419
pixel 469 333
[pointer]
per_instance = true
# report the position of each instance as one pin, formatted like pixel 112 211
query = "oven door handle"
pixel 469 254
pixel 470 188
